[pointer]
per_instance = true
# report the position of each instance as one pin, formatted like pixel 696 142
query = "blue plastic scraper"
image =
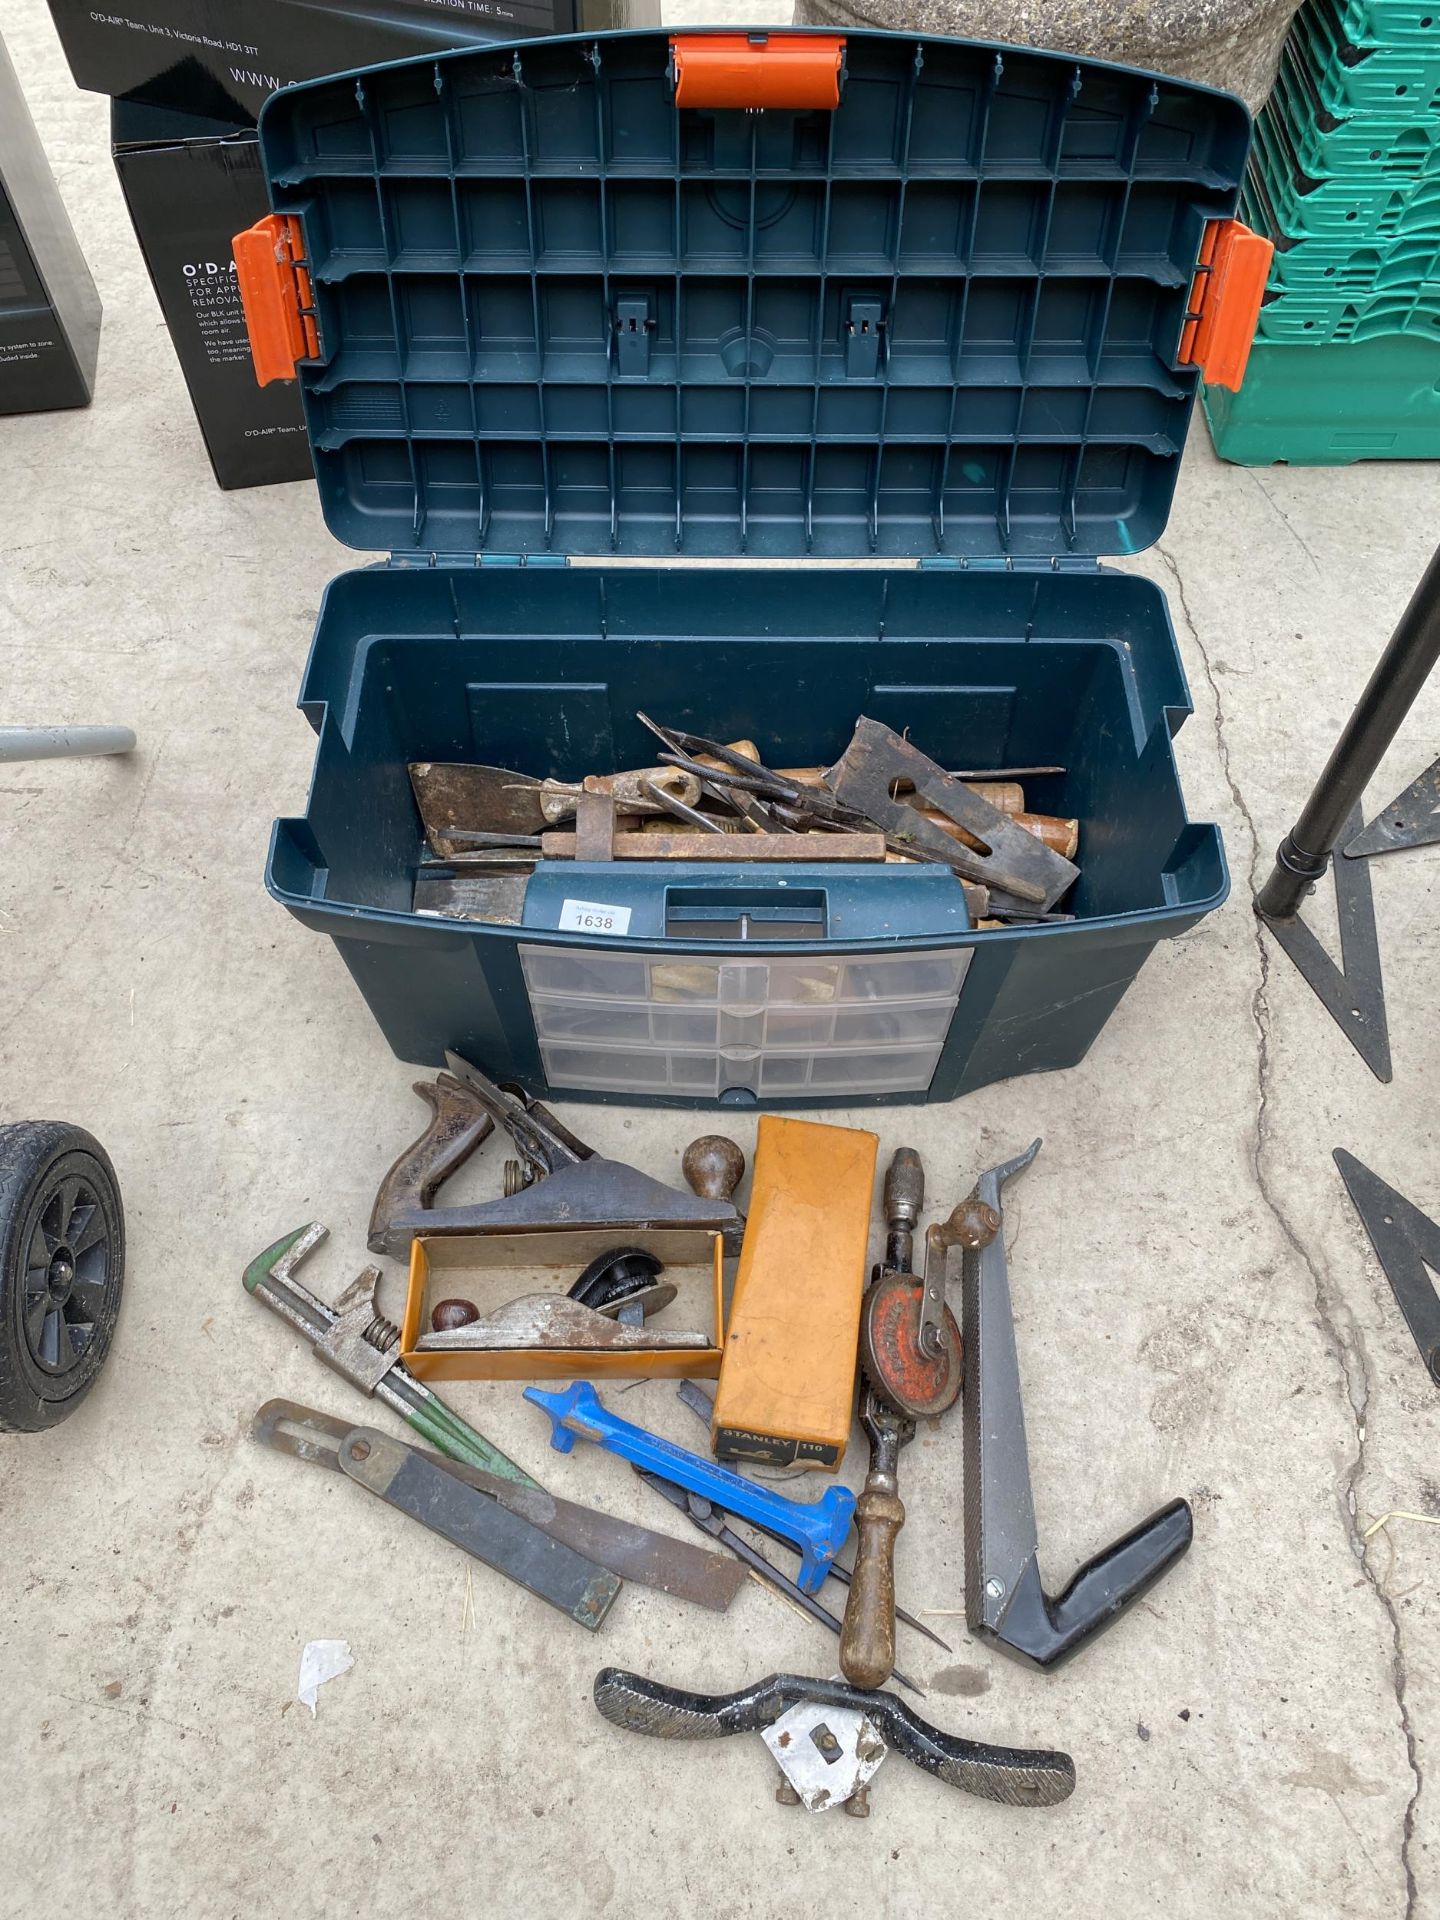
pixel 818 1528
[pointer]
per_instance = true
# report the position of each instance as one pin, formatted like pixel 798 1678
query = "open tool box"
pixel 797 297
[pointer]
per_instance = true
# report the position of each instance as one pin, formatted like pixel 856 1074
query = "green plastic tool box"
pixel 581 327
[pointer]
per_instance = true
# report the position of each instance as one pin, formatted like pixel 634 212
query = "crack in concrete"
pixel 1346 1342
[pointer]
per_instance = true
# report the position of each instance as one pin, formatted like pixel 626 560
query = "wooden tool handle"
pixel 741 847
pixel 458 1125
pixel 867 1636
pixel 1051 830
pixel 713 1166
pixel 559 798
pixel 1006 796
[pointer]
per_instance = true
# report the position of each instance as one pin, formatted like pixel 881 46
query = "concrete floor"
pixel 1199 1310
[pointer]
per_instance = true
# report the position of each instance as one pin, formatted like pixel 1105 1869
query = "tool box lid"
pixel 778 294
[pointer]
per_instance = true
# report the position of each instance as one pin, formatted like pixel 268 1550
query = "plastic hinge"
pixel 1225 299
pixel 413 560
pixel 276 296
pixel 752 71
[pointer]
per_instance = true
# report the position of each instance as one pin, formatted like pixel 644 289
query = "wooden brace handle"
pixel 867 1635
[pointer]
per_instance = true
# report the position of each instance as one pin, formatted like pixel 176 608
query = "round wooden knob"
pixel 714 1166
pixel 973 1224
pixel 448 1315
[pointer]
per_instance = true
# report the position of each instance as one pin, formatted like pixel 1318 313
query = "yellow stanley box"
pixel 787 1382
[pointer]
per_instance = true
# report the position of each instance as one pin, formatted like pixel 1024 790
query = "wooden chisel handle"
pixel 1060 835
pixel 867 1635
pixel 559 798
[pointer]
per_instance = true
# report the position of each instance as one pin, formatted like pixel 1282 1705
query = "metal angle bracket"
pixel 1407 1245
pixel 1412 819
pixel 1353 994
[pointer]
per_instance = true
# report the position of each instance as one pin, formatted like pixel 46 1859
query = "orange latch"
pixel 1225 298
pixel 757 69
pixel 276 294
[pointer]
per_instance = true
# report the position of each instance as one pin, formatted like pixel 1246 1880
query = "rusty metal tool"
pixel 914 1381
pixel 458 1125
pixel 891 1380
pixel 559 1182
pixel 877 759
pixel 1013 1776
pixel 710 1519
pixel 497 898
pixel 423 1489
pixel 702 1406
pixel 635 1553
pixel 543 1322
pixel 1005 1604
pixel 971 1226
pixel 790 847
pixel 356 1340
pixel 458 797
pixel 818 1528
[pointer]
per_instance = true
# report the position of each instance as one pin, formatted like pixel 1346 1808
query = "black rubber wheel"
pixel 62 1267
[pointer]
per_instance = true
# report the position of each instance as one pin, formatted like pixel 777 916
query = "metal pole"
pixel 1403 668
pixel 63 743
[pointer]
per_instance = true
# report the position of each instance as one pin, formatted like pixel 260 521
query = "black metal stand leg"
pixel 1353 993
pixel 1403 669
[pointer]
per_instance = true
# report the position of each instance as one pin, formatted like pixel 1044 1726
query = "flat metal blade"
pixel 652 1559
pixel 636 1553
pixel 302 1432
pixel 1412 819
pixel 1407 1245
pixel 1000 1533
pixel 474 799
pixel 1011 859
pixel 481 1527
pixel 1353 994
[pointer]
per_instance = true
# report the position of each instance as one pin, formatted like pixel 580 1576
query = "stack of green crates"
pixel 1345 179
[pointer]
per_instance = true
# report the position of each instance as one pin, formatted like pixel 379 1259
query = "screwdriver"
pixel 709 1519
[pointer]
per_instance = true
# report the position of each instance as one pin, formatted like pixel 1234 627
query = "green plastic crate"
pixel 1364 148
pixel 1330 406
pixel 1351 209
pixel 1308 320
pixel 1353 273
pixel 1390 78
pixel 1389 23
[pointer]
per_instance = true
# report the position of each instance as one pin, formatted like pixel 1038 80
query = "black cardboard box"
pixel 49 309
pixel 224 57
pixel 191 185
